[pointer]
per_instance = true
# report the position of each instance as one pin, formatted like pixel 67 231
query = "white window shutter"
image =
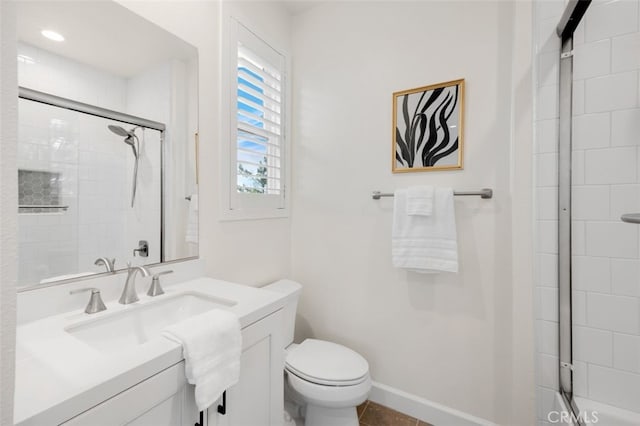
pixel 258 136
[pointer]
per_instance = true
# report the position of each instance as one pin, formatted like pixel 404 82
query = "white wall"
pixel 9 199
pixel 446 338
pixel 252 252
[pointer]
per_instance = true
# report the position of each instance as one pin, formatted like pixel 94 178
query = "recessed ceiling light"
pixel 52 35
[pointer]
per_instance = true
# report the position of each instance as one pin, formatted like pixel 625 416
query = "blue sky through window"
pixel 246 141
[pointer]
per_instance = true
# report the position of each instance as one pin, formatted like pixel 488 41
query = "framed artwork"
pixel 428 128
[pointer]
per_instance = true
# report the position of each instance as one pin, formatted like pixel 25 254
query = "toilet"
pixel 323 381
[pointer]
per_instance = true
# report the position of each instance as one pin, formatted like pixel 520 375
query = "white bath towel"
pixel 211 345
pixel 191 235
pixel 425 244
pixel 420 200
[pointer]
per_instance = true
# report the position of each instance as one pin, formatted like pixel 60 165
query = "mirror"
pixel 107 143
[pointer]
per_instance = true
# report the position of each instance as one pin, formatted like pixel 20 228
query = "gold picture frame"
pixel 428 128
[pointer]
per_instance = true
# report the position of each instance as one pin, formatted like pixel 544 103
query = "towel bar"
pixel 485 193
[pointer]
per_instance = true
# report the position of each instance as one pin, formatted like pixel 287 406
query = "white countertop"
pixel 59 376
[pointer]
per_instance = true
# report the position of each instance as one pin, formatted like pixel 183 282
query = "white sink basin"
pixel 137 324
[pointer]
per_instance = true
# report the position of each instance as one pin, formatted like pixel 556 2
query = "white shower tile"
pixel 580 381
pixel 624 199
pixel 617 91
pixel 591 131
pixel 578 98
pixel 577 167
pixel 593 346
pixel 611 239
pixel 549 9
pixel 548 69
pixel 611 18
pixel 548 305
pixel 626 352
pixel 625 277
pixel 612 165
pixel 547 168
pixel 546 37
pixel 547 337
pixel 625 127
pixel 591 59
pixel 547 136
pixel 578 34
pixel 578 238
pixel 590 202
pixel 547 102
pixel 591 274
pixel 546 400
pixel 625 55
pixel 547 270
pixel 547 203
pixel 615 313
pixel 614 387
pixel 579 307
pixel 548 371
pixel 547 236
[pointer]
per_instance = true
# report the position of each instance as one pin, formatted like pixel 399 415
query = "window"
pixel 258 134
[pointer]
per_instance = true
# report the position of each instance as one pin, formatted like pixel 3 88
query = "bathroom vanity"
pixel 108 177
pixel 114 367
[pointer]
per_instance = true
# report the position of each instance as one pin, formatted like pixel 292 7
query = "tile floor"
pixel 372 414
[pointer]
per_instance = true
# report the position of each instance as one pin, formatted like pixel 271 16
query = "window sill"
pixel 228 215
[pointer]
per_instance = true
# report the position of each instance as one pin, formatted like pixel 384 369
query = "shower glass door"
pixel 75 181
pixel 605 185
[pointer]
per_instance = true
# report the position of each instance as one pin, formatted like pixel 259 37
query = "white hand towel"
pixel 211 345
pixel 425 244
pixel 191 235
pixel 420 200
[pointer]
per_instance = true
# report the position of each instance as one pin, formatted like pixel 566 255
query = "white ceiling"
pixel 101 34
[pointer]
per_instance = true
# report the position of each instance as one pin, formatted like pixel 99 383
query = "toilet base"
pixel 323 416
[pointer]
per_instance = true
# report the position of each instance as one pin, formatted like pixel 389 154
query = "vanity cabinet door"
pixel 165 399
pixel 258 398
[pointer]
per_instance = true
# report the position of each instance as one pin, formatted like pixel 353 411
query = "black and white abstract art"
pixel 428 128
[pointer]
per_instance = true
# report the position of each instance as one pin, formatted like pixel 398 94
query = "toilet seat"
pixel 327 396
pixel 326 363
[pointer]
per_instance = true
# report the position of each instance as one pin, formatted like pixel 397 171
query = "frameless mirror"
pixel 107 145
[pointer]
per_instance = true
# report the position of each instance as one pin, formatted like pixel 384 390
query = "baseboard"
pixel 423 409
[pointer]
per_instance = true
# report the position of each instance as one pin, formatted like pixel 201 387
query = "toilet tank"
pixel 290 290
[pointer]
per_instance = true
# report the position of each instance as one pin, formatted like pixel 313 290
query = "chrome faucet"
pixel 110 264
pixel 129 293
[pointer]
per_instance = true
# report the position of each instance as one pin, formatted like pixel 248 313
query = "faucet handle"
pixel 109 264
pixel 155 289
pixel 143 248
pixel 95 304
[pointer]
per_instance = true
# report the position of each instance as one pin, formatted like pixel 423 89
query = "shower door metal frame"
pixel 70 104
pixel 571 17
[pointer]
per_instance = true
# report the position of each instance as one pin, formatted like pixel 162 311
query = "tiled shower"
pixel 68 153
pixel 605 184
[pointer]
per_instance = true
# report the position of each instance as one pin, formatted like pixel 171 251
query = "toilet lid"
pixel 326 363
